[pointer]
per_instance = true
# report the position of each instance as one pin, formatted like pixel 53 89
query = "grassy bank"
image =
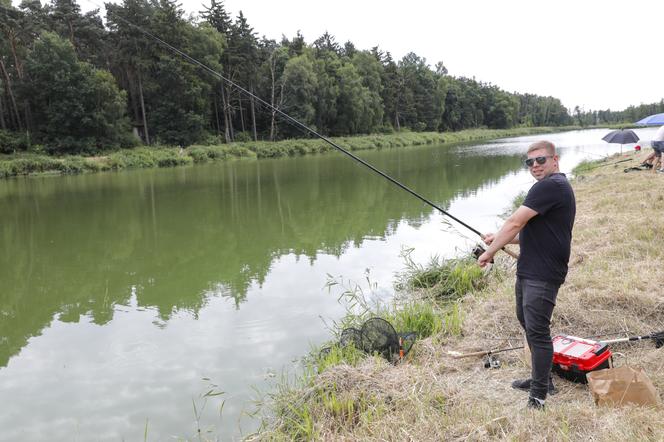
pixel 160 156
pixel 614 285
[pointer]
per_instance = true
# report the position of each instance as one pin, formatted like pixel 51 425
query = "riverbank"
pixel 20 164
pixel 614 286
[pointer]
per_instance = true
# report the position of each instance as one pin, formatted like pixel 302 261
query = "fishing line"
pixel 593 154
pixel 295 122
pixel 608 164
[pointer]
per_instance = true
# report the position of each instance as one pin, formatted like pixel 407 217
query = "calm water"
pixel 127 296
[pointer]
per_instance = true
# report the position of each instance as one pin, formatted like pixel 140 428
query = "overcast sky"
pixel 595 54
pixel 591 53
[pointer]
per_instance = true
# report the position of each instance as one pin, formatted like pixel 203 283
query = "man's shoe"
pixel 660 170
pixel 535 403
pixel 646 165
pixel 524 385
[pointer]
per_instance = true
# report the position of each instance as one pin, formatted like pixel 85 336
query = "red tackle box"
pixel 574 357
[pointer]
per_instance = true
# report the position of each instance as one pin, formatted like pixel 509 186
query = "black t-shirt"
pixel 546 239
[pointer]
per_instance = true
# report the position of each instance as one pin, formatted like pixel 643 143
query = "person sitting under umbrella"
pixel 649 161
pixel 658 147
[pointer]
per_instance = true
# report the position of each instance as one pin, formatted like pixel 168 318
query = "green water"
pixel 126 296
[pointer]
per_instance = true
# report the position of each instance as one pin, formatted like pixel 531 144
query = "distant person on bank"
pixel 657 143
pixel 658 146
pixel 543 228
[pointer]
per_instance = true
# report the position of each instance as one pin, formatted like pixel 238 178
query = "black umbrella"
pixel 622 136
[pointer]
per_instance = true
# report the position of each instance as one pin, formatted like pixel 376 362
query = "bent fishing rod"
pixel 303 127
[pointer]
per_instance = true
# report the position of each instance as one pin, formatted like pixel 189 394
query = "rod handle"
pixel 504 249
pixel 511 253
pixel 457 355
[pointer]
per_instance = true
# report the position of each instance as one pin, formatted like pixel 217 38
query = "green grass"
pixel 583 167
pixel 203 154
pixel 29 163
pixel 419 317
pixel 142 157
pixel 445 279
pixel 336 355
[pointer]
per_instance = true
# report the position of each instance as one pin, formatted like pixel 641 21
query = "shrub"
pixel 199 154
pixel 243 137
pixel 11 142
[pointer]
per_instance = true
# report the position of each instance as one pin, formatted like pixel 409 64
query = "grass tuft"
pixel 444 279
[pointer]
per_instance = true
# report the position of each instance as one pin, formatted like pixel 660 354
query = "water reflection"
pixel 75 246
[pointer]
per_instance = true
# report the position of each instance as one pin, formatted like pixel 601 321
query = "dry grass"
pixel 614 285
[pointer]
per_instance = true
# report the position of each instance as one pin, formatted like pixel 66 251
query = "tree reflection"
pixel 76 246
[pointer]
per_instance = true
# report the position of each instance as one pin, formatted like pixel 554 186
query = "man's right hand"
pixel 488 238
pixel 485 259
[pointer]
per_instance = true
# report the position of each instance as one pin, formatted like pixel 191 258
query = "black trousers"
pixel 535 301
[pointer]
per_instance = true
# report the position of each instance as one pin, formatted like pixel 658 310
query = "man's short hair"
pixel 546 145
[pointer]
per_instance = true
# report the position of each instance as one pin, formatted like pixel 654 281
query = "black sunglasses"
pixel 540 160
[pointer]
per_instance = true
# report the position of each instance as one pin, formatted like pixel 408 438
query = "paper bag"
pixel 615 387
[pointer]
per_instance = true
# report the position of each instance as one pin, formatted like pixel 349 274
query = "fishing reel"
pixel 491 361
pixel 478 250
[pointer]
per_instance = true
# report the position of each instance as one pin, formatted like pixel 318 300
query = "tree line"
pixel 71 83
pixel 628 115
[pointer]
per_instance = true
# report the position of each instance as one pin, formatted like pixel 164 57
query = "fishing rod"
pixel 459 355
pixel 610 164
pixel 303 127
pixel 657 337
pixel 520 337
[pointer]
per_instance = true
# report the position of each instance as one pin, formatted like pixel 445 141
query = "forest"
pixel 74 82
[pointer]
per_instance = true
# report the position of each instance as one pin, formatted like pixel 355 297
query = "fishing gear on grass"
pixel 573 357
pixel 491 361
pixel 459 355
pixel 638 168
pixel 376 336
pixel 656 337
pixel 302 126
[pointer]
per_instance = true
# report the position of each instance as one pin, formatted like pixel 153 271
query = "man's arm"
pixel 507 233
pixel 489 237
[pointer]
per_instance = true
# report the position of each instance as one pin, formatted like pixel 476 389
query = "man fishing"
pixel 542 226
